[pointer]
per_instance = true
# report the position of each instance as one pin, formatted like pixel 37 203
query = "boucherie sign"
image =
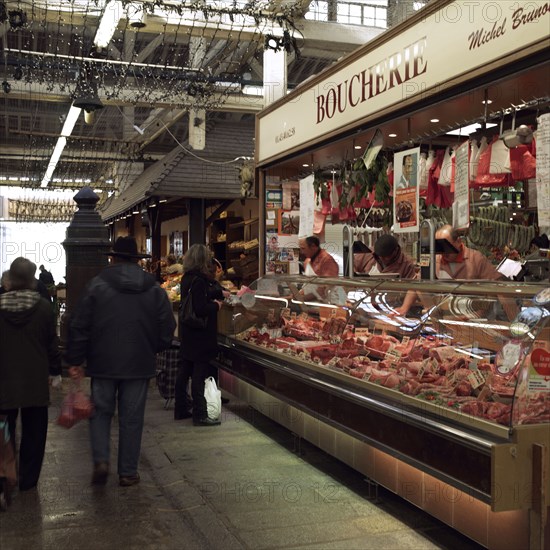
pixel 452 40
pixel 389 73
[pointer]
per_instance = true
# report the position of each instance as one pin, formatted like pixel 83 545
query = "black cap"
pixel 385 245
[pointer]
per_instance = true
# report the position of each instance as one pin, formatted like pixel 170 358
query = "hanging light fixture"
pixel 137 17
pixel 87 100
pixel 272 42
pixel 522 135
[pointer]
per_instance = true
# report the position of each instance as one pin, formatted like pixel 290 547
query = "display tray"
pixel 434 417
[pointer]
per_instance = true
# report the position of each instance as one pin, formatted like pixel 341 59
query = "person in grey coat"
pixel 123 320
pixel 29 355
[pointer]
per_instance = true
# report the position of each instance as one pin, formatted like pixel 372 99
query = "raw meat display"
pixel 423 367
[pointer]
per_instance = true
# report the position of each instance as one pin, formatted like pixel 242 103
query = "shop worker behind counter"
pixel 387 258
pixel 317 262
pixel 122 321
pixel 467 264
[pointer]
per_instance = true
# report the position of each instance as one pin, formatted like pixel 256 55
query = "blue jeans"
pixel 131 396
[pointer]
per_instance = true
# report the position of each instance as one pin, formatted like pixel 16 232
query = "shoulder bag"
pixel 188 317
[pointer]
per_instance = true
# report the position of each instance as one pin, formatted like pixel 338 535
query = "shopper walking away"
pixel 45 276
pixel 29 355
pixel 123 320
pixel 198 345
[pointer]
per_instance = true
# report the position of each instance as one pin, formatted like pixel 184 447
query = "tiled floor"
pixel 239 485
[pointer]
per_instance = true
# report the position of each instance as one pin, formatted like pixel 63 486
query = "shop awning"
pixel 212 173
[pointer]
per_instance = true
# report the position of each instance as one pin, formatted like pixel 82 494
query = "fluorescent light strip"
pixel 99 60
pixel 470 129
pixel 108 24
pixel 477 325
pixel 66 131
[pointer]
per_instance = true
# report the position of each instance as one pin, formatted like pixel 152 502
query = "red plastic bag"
pixel 492 172
pixel 7 456
pixel 75 407
pixel 523 162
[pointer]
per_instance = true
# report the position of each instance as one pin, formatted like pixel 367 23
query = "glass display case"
pixel 472 353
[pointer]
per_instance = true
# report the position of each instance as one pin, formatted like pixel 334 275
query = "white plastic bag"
pixel 213 398
pixel 446 168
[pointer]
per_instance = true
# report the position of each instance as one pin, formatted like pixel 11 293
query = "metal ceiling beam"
pixel 235 102
pixel 328 33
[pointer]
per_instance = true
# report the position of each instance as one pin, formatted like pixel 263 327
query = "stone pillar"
pixel 85 247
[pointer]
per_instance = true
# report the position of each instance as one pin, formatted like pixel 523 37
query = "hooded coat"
pixel 201 344
pixel 123 320
pixel 29 349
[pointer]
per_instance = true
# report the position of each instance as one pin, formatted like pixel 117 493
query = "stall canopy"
pixel 212 173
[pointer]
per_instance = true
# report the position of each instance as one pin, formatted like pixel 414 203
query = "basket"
pixel 245 267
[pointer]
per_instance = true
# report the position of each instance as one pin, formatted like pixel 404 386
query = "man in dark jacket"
pixel 45 276
pixel 123 320
pixel 29 355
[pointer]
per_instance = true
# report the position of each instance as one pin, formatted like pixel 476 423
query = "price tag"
pixel 333 312
pixel 452 378
pixel 393 356
pixel 424 260
pixel 366 377
pixel 361 332
pixel 476 378
pixel 473 363
pixel 293 316
pixel 304 316
pixel 405 340
pixel 421 370
pixel 285 312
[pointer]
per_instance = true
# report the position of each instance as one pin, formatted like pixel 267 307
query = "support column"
pixel 197 129
pixel 85 247
pixel 154 228
pixel 197 228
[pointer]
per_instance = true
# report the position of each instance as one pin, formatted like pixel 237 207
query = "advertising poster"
pixel 405 191
pixel 539 371
pixel 289 222
pixel 274 198
pixel 307 206
pixel 543 171
pixel 291 195
pixel 461 202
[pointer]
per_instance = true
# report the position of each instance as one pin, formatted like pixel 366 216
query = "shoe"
pixel 100 474
pixel 206 422
pixel 128 481
pixel 182 415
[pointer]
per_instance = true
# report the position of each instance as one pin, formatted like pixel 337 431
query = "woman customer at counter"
pixel 198 346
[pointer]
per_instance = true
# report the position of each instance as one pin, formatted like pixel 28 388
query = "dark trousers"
pixel 34 429
pixel 198 371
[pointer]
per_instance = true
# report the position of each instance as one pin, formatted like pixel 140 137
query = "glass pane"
pixel 343 10
pixel 355 11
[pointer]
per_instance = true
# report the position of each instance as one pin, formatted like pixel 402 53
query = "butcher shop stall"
pixel 443 119
pixel 448 407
